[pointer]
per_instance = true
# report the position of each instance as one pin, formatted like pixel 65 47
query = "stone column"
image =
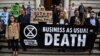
pixel 66 7
pixel 38 2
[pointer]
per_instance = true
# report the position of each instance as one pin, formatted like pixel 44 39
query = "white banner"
pixel 41 16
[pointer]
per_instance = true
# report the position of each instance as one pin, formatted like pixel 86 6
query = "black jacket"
pixel 72 20
pixel 65 21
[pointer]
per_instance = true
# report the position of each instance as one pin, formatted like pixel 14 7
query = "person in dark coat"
pixel 2 29
pixel 81 11
pixel 75 20
pixel 23 19
pixel 62 19
pixel 92 21
pixel 56 12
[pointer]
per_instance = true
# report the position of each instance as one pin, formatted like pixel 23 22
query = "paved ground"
pixel 45 55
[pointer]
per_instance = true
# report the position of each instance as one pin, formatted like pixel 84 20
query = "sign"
pixel 4 16
pixel 15 10
pixel 42 16
pixel 57 36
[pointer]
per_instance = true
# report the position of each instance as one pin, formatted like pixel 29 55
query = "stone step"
pixel 4 44
pixel 9 54
pixel 52 52
pixel 11 2
pixel 88 2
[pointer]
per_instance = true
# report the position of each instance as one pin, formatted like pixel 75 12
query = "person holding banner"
pixel 93 21
pixel 12 35
pixel 62 19
pixel 75 20
pixel 41 8
pixel 23 19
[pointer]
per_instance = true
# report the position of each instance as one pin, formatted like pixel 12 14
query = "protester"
pixel 66 9
pixel 23 19
pixel 5 15
pixel 99 28
pixel 62 18
pixel 2 28
pixel 72 9
pixel 56 13
pixel 3 21
pixel 12 35
pixel 23 7
pixel 28 9
pixel 99 13
pixel 75 20
pixel 81 11
pixel 88 12
pixel 41 8
pixel 62 21
pixel 93 21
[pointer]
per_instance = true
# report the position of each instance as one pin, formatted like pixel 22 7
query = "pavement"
pixel 44 55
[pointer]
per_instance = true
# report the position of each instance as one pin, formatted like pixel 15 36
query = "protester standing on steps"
pixel 23 19
pixel 28 9
pixel 12 35
pixel 99 28
pixel 2 28
pixel 93 21
pixel 72 9
pixel 81 10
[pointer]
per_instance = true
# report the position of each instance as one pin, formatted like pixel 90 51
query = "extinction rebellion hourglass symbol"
pixel 30 31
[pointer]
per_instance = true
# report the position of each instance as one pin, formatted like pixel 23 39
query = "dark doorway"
pixel 56 2
pixel 48 3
